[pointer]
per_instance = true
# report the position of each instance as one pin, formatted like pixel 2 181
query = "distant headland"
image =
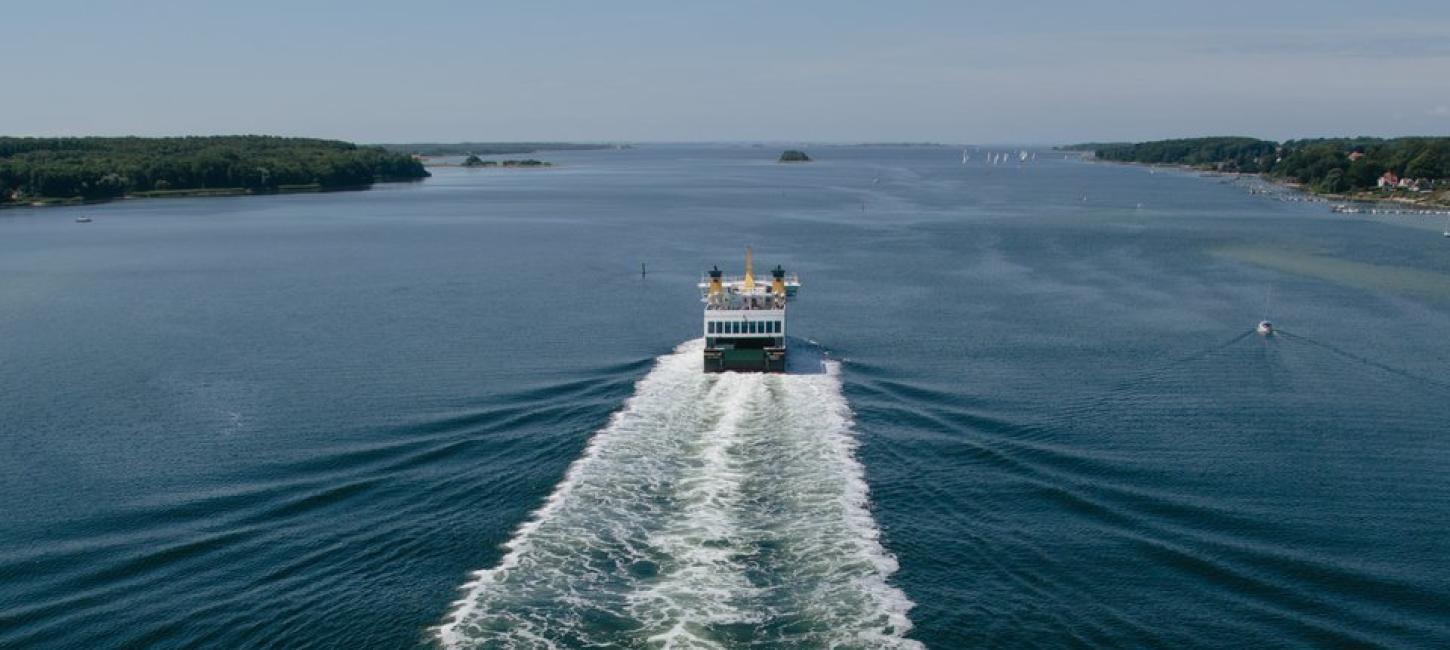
pixel 1409 170
pixel 50 171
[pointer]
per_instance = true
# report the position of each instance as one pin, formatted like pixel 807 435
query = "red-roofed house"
pixel 1389 180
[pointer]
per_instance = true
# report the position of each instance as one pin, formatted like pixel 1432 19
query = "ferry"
pixel 745 320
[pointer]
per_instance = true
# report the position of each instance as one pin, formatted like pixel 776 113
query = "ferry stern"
pixel 745 321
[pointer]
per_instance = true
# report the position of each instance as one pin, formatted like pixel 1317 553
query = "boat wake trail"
pixel 1350 356
pixel 714 511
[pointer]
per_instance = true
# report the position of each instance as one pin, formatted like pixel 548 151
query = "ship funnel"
pixel 777 285
pixel 715 288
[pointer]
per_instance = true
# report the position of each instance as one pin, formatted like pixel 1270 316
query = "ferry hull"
pixel 749 360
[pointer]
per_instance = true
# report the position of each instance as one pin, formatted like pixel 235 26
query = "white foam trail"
pixel 713 511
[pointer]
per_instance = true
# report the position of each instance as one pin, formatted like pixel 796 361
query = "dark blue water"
pixel 312 420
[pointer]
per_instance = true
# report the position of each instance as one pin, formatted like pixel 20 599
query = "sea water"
pixel 454 412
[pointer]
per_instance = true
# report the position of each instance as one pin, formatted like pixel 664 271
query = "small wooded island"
pixel 475 161
pixel 436 149
pixel 793 155
pixel 42 171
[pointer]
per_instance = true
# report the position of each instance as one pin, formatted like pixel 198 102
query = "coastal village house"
pixel 1389 181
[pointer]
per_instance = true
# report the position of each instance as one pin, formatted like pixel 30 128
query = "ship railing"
pixel 761 303
pixel 766 279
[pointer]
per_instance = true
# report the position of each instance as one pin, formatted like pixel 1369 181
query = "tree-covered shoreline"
pixel 42 170
pixel 1338 166
pixel 1228 154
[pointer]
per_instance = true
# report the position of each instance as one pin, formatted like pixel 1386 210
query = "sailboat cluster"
pixel 1000 157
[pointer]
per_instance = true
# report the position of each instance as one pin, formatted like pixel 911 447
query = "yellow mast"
pixel 749 271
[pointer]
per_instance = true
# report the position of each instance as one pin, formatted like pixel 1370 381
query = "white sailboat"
pixel 965 157
pixel 1447 226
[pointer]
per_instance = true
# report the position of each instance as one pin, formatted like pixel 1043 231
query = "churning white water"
pixel 714 511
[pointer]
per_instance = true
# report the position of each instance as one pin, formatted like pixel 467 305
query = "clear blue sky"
pixel 1018 71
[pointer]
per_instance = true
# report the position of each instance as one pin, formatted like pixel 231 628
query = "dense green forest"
pixel 1228 154
pixel 34 169
pixel 1333 165
pixel 1346 165
pixel 486 148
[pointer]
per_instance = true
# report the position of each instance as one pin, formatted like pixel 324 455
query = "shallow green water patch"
pixel 1418 283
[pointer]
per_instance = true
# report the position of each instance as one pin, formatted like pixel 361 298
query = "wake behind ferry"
pixel 745 320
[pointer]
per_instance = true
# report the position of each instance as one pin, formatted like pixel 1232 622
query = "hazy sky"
pixel 1001 71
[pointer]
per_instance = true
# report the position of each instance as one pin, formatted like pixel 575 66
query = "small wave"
pixel 712 511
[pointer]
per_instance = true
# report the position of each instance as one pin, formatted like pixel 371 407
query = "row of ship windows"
pixel 743 327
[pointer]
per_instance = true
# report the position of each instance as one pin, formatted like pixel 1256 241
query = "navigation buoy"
pixel 1265 328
